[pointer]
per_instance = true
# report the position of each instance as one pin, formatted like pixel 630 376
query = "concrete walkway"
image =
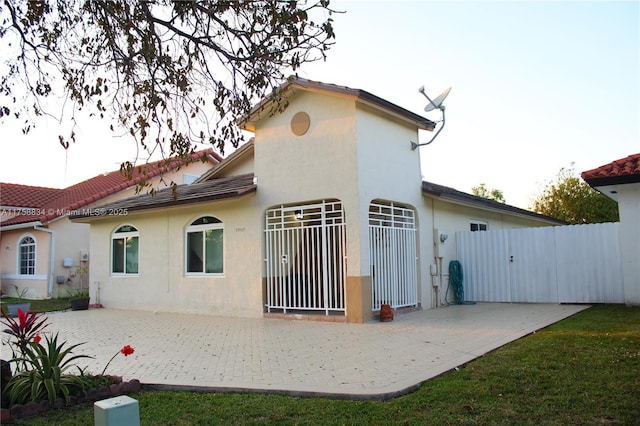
pixel 355 361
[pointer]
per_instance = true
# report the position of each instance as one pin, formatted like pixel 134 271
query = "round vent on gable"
pixel 300 123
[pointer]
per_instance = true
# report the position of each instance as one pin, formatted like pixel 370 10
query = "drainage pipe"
pixel 52 254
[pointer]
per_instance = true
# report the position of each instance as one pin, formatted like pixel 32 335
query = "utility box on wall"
pixel 118 411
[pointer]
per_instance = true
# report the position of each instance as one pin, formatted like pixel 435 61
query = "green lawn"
pixel 583 370
pixel 46 305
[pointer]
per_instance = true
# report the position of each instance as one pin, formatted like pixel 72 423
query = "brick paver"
pixel 372 360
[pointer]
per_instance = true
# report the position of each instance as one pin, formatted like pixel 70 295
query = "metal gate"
pixel 305 258
pixel 392 243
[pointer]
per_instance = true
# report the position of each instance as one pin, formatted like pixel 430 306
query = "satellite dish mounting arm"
pixel 433 104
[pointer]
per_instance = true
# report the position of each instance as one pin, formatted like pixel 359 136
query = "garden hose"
pixel 455 280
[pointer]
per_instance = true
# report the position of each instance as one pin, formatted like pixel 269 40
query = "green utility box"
pixel 118 411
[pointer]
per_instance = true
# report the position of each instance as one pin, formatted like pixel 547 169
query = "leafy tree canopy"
pixel 484 192
pixel 571 199
pixel 169 73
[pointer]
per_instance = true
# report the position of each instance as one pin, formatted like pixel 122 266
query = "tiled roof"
pixel 625 170
pixel 210 190
pixel 96 188
pixel 16 195
pixel 453 195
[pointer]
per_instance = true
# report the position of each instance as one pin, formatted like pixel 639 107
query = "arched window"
pixel 124 250
pixel 204 246
pixel 27 256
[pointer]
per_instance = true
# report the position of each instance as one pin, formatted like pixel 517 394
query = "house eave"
pixel 453 196
pixel 357 95
pixel 23 225
pixel 613 180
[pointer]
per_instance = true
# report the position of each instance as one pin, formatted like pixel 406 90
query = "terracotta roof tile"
pixel 15 195
pixel 624 170
pixel 55 203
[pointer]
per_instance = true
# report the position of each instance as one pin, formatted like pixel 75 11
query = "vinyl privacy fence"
pixel 562 264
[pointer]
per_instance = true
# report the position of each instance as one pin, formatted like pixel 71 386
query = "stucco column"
pixel 358 297
pixel 629 205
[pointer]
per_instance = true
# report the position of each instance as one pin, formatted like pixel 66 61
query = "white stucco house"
pixel 620 181
pixel 46 255
pixel 322 215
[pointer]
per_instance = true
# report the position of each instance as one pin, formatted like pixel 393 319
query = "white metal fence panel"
pixel 564 264
pixel 532 269
pixel 590 263
pixel 305 257
pixel 482 254
pixel 392 243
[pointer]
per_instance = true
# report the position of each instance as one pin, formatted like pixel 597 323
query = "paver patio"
pixel 356 361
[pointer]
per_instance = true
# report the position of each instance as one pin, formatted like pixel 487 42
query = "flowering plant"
pixel 24 329
pixel 46 375
pixel 126 351
pixel 43 370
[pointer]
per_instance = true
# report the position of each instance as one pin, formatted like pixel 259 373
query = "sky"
pixel 536 86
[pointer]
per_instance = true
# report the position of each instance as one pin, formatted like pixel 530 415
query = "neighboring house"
pixel 620 181
pixel 321 214
pixel 46 254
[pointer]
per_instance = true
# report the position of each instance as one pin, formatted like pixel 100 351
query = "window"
pixel 124 250
pixel 204 246
pixel 478 226
pixel 27 256
pixel 188 179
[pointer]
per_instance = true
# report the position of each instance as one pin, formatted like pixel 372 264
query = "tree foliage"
pixel 571 199
pixel 484 192
pixel 171 74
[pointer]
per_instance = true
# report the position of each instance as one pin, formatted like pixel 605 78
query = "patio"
pixel 355 361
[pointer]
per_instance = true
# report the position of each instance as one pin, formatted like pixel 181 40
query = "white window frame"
pixel 34 255
pixel 479 224
pixel 191 228
pixel 115 235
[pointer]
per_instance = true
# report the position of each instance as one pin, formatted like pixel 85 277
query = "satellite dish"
pixel 433 104
pixel 437 102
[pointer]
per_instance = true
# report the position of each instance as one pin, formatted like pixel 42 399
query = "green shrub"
pixel 47 375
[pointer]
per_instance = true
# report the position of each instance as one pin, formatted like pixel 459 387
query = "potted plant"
pixel 79 297
pixel 22 304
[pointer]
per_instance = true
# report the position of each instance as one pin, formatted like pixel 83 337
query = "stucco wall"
pixel 37 284
pixel 629 208
pixel 71 240
pixel 162 284
pixel 388 168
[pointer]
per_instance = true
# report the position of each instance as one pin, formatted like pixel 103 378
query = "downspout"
pixel 52 253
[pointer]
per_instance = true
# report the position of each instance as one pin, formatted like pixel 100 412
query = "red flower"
pixel 127 350
pixel 22 316
pixel 37 338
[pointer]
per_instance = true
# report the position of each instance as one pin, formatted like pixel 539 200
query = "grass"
pixel 46 305
pixel 582 370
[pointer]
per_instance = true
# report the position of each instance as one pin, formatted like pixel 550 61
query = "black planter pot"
pixel 79 304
